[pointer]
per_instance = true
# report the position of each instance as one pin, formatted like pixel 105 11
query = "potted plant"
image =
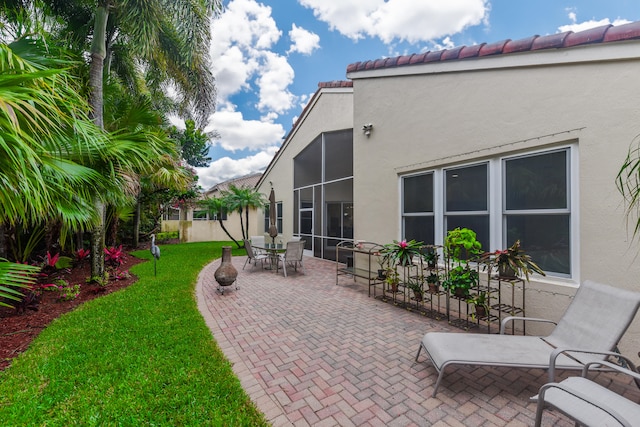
pixel 459 280
pixel 382 271
pixel 392 278
pixel 415 284
pixel 479 300
pixel 512 262
pixel 461 244
pixel 401 253
pixel 431 258
pixel 432 282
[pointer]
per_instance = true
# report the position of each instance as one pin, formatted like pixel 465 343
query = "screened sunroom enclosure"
pixel 323 192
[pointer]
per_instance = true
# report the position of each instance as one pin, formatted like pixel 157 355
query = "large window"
pixel 417 208
pixel 467 200
pixel 532 204
pixel 537 207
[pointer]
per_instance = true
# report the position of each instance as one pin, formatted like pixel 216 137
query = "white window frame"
pixel 497 215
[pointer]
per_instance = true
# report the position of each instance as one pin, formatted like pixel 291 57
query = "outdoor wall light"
pixel 367 129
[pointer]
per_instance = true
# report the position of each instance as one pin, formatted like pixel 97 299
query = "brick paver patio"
pixel 309 352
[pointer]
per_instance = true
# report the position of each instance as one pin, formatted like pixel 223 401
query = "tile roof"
pixel 603 34
pixel 248 181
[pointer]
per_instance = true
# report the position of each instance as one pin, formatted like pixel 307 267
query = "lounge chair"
pixel 589 403
pixel 594 322
pixel 252 256
pixel 292 256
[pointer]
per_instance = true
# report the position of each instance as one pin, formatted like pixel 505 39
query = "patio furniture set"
pixel 275 254
pixel 584 339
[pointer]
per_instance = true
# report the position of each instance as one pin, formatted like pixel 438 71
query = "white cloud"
pixel 402 20
pixel 243 39
pixel 576 27
pixel 227 168
pixel 238 133
pixel 303 41
pixel 276 76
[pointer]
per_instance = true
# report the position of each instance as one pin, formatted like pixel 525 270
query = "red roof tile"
pixel 603 34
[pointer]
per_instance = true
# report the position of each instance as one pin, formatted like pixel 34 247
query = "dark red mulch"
pixel 17 330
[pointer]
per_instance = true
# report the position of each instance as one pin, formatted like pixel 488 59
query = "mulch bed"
pixel 17 330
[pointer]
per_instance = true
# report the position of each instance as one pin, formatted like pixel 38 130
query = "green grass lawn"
pixel 142 356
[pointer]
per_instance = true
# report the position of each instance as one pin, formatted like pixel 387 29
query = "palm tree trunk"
pixel 246 215
pixel 228 234
pixel 96 69
pixel 136 223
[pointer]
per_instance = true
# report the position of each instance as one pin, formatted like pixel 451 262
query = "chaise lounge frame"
pixel 589 331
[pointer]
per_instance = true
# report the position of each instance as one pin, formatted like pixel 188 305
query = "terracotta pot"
pixel 393 287
pixel 460 292
pixel 226 274
pixel 417 295
pixel 433 288
pixel 481 311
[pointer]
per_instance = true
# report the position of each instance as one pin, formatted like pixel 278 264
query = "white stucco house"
pixel 519 139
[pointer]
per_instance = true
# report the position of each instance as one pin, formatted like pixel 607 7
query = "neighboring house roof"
pixel 247 181
pixel 603 34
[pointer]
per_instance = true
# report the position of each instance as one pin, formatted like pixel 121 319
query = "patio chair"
pixel 252 256
pixel 257 241
pixel 292 256
pixel 593 324
pixel 589 403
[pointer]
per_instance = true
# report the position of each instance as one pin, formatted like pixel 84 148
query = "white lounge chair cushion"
pixel 446 348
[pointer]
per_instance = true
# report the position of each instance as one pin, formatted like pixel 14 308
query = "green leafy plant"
pixel 67 292
pixel 15 278
pixel 479 300
pixel 461 244
pixel 512 262
pixel 415 284
pixel 401 253
pixel 460 279
pixel 431 257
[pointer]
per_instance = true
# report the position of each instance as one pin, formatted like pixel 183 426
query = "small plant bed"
pixel 18 329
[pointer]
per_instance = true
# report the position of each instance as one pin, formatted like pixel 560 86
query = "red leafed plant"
pixel 82 254
pixel 114 255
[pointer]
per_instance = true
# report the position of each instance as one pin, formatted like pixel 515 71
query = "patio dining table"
pixel 272 249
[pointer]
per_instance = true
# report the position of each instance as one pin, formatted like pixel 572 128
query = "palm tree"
pixel 242 199
pixel 628 182
pixel 216 207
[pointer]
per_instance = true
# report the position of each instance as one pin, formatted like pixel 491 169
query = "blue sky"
pixel 268 57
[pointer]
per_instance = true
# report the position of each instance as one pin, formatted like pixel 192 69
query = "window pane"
pixel 537 182
pixel 544 237
pixel 199 215
pixel 334 220
pixel 306 222
pixel 306 198
pixel 477 223
pixel 419 228
pixel 418 193
pixel 338 155
pixel 307 166
pixel 296 211
pixel 466 188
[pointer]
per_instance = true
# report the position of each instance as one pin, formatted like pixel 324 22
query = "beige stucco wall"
pixel 208 230
pixel 330 110
pixel 451 117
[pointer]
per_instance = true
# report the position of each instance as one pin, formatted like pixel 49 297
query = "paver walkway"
pixel 309 352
